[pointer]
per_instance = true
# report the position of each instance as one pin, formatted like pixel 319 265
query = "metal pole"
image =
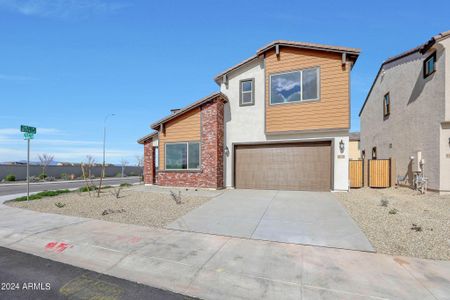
pixel 104 142
pixel 28 170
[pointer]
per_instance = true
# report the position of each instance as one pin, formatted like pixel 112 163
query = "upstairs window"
pixel 247 92
pixel 183 156
pixel 294 86
pixel 386 105
pixel 429 65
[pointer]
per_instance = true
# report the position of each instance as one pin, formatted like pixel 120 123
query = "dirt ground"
pixel 402 221
pixel 136 205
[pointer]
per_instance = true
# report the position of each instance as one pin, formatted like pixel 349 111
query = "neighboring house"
pixel 406 115
pixel 280 121
pixel 354 151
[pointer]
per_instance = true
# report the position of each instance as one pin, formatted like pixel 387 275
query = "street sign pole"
pixel 28 134
pixel 28 170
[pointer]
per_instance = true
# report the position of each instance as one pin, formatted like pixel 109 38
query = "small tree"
pixel 45 160
pixel 140 164
pixel 123 163
pixel 90 163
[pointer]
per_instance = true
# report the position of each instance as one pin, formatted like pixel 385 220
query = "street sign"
pixel 28 136
pixel 28 129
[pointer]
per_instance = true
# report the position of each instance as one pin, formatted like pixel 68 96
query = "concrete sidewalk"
pixel 218 267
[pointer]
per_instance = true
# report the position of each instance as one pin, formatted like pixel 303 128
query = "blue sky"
pixel 65 64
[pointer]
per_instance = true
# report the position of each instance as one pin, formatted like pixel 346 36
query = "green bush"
pixel 119 174
pixel 87 188
pixel 125 184
pixel 10 177
pixel 42 176
pixel 64 176
pixel 42 195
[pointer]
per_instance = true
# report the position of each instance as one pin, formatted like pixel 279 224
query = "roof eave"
pixel 182 111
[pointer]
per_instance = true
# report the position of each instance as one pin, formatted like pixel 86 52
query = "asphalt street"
pixel 9 189
pixel 25 276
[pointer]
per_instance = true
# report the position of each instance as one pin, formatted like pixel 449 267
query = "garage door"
pixel 305 166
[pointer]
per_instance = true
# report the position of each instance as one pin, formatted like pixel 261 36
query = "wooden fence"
pixel 379 173
pixel 356 173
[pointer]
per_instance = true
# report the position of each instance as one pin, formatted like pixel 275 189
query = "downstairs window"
pixel 183 156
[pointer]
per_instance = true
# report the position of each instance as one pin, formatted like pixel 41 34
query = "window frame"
pixel 187 155
pixel 241 98
pixel 386 107
pixel 433 57
pixel 301 86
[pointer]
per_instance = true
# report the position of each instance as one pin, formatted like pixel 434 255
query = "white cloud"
pixel 61 8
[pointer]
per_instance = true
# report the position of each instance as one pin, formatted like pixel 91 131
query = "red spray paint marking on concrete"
pixel 57 247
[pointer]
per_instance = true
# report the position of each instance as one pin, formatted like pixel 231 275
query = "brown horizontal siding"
pixel 181 129
pixel 332 110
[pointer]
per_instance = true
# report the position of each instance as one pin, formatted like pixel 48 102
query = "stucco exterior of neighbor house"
pixel 406 115
pixel 354 152
pixel 280 121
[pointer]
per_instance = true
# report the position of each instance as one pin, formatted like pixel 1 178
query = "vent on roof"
pixel 174 110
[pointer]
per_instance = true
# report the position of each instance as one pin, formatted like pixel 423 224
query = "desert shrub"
pixel 42 195
pixel 64 176
pixel 34 178
pixel 119 174
pixel 87 188
pixel 59 204
pixel 50 178
pixel 416 227
pixel 42 176
pixel 384 202
pixel 125 184
pixel 393 211
pixel 10 177
pixel 116 192
pixel 175 197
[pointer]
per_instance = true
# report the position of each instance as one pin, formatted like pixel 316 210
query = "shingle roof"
pixel 188 108
pixel 351 51
pixel 147 137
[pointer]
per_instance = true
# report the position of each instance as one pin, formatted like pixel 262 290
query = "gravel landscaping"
pixel 402 221
pixel 138 205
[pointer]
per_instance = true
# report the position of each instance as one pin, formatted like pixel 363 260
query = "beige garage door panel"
pixel 305 166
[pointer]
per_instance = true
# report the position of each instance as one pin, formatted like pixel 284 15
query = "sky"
pixel 66 64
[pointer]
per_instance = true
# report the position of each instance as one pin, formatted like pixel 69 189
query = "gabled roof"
pixel 197 103
pixel 147 137
pixel 423 48
pixel 352 52
pixel 354 136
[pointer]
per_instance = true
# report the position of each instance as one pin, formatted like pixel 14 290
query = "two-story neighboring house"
pixel 280 121
pixel 406 115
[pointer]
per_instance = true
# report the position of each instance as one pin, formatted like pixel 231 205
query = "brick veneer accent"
pixel 212 135
pixel 149 163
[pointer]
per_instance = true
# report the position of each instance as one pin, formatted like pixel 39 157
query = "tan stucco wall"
pixel 354 151
pixel 417 110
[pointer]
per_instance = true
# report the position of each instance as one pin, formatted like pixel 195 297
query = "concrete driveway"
pixel 312 218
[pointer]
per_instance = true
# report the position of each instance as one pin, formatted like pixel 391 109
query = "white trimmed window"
pixel 183 156
pixel 247 92
pixel 296 86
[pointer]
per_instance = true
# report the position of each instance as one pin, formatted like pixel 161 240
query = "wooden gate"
pixel 380 173
pixel 356 173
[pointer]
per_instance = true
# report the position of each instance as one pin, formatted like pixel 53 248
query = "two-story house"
pixel 406 115
pixel 280 121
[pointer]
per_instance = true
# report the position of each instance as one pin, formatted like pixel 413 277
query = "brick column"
pixel 149 163
pixel 212 142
